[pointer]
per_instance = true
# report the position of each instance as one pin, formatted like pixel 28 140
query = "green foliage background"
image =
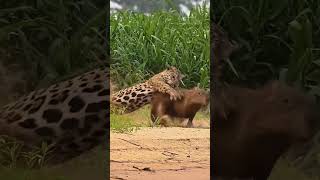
pixel 51 38
pixel 278 40
pixel 143 45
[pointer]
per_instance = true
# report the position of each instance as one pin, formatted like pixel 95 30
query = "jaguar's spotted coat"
pixel 135 97
pixel 74 114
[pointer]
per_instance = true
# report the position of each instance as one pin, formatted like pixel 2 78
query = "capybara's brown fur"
pixel 255 127
pixel 252 128
pixel 187 107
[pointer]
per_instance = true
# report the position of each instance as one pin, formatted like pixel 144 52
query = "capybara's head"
pixel 197 96
pixel 222 46
pixel 286 111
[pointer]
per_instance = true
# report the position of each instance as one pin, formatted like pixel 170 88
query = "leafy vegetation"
pixel 278 40
pixel 13 154
pixel 143 45
pixel 121 124
pixel 91 165
pixel 52 38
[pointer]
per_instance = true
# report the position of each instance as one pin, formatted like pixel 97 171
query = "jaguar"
pixel 72 115
pixel 132 98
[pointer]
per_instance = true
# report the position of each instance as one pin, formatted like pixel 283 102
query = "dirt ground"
pixel 171 153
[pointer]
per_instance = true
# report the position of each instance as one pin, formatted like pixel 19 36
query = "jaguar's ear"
pixel 171 68
pixel 196 87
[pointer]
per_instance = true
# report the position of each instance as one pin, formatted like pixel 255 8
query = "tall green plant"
pixel 276 39
pixel 142 45
pixel 52 37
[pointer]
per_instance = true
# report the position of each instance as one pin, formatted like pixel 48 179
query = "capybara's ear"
pixel 182 76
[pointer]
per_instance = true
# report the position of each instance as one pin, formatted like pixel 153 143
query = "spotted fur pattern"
pixel 73 114
pixel 135 97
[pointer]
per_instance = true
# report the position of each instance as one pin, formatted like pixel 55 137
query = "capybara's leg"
pixel 157 112
pixel 153 114
pixel 189 124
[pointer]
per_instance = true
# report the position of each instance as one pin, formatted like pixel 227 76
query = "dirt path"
pixel 161 154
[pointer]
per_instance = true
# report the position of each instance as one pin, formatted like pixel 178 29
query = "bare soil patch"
pixel 161 153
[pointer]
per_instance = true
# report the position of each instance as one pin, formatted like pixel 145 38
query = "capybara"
pixel 252 128
pixel 187 107
pixel 256 127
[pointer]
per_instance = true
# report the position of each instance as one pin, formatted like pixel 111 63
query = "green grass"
pixel 121 124
pixel 279 40
pixel 127 123
pixel 88 166
pixel 17 163
pixel 49 39
pixel 13 154
pixel 143 45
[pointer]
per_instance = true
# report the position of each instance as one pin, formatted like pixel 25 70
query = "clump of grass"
pixel 156 123
pixel 143 45
pixel 122 123
pixel 285 170
pixel 14 154
pixel 20 163
pixel 96 163
pixel 38 156
pixel 49 39
pixel 10 152
pixel 275 43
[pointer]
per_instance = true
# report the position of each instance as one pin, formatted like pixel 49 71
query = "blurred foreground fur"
pixel 254 127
